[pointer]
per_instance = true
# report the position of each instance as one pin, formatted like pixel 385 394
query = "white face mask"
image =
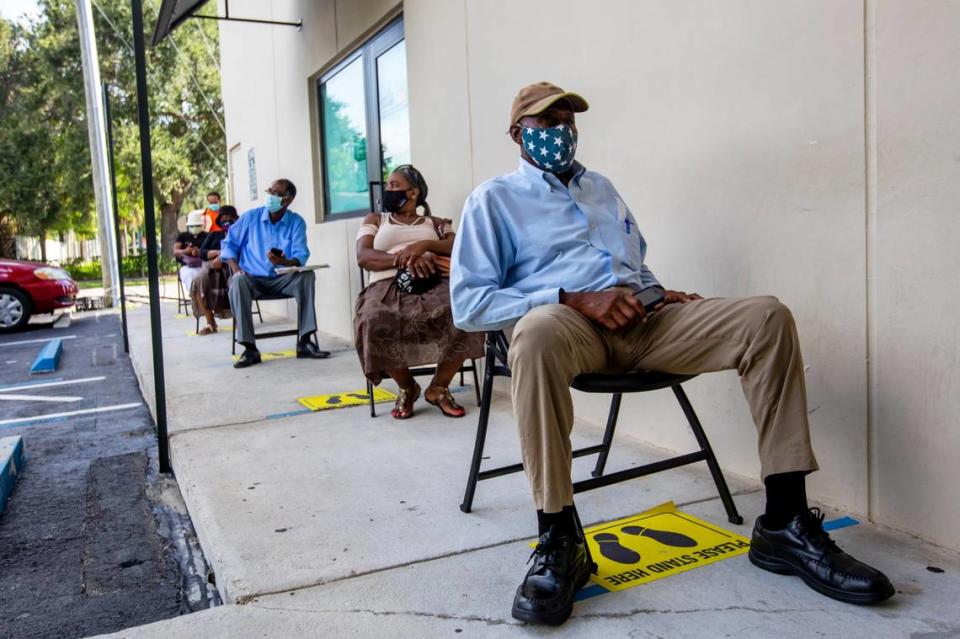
pixel 194 229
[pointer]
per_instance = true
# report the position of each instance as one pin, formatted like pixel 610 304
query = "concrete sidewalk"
pixel 334 524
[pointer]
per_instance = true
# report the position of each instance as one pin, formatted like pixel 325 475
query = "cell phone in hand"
pixel 276 252
pixel 650 297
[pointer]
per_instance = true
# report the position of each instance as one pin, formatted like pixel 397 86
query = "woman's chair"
pixel 616 384
pixel 422 371
pixel 184 303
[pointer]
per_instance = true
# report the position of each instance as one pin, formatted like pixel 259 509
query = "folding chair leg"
pixel 461 375
pixel 259 314
pixel 472 479
pixel 608 434
pixel 373 410
pixel 476 382
pixel 732 515
pixel 583 537
pixel 233 349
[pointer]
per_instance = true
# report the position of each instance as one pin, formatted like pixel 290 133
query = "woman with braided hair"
pixel 403 316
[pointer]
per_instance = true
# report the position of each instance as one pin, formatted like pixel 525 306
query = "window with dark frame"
pixel 364 123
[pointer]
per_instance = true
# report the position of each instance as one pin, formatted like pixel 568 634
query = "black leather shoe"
pixel 311 351
pixel 805 549
pixel 249 358
pixel 560 568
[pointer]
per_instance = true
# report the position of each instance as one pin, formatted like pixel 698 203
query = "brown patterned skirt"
pixel 210 289
pixel 397 330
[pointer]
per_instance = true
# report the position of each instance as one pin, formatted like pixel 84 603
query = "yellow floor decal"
pixel 655 544
pixel 266 357
pixel 342 400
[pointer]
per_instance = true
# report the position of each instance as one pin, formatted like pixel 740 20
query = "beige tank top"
pixel 392 237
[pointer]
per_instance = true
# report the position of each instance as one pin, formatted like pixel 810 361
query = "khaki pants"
pixel 757 336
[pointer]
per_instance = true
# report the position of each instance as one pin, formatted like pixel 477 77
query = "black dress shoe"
pixel 560 568
pixel 249 358
pixel 311 351
pixel 804 548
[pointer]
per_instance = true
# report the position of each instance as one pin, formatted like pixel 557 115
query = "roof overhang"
pixel 172 13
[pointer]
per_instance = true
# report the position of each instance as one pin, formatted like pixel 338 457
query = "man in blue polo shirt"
pixel 263 239
pixel 554 251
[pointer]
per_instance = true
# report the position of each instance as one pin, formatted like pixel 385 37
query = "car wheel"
pixel 15 308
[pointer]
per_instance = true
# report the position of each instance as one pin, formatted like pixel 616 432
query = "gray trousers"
pixel 246 288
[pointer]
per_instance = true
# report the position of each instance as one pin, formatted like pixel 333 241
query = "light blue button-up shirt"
pixel 525 235
pixel 253 235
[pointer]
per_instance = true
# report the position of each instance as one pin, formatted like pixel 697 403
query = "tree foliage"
pixel 45 176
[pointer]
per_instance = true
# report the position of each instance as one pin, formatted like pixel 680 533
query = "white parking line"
pixel 85 411
pixel 36 341
pixel 48 384
pixel 38 398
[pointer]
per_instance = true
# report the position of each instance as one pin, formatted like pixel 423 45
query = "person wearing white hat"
pixel 186 249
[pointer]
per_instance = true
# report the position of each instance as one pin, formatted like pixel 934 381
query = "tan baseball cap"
pixel 537 98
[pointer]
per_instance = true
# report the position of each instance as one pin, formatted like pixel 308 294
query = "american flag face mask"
pixel 551 148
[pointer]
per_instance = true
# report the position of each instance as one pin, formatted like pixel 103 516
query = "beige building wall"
pixel 804 148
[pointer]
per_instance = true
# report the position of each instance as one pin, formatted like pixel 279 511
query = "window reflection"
pixel 345 139
pixel 394 112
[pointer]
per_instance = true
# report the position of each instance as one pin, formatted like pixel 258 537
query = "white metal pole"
pixel 98 151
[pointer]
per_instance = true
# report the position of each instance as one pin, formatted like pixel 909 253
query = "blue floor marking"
pixel 843 522
pixel 590 591
pixel 289 413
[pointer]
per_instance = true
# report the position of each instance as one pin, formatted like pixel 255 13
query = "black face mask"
pixel 393 201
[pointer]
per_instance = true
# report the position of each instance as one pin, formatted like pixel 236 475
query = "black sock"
pixel 786 498
pixel 306 339
pixel 249 347
pixel 562 521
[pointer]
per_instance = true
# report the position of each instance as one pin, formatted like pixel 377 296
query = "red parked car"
pixel 28 288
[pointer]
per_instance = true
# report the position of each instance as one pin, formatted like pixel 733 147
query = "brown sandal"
pixel 456 410
pixel 406 398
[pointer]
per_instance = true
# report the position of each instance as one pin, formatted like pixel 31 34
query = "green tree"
pixel 46 179
pixel 43 132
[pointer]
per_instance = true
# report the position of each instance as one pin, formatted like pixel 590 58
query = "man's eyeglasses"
pixel 273 191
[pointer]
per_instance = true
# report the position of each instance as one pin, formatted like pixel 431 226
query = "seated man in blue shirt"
pixel 553 250
pixel 261 240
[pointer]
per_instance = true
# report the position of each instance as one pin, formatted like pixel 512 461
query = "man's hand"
pixel 411 254
pixel 423 266
pixel 216 263
pixel 614 310
pixel 194 251
pixel 677 297
pixel 277 260
pixel 235 267
pixel 212 254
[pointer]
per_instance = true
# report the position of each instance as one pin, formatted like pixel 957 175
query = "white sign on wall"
pixel 252 174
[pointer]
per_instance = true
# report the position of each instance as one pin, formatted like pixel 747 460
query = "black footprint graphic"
pixel 611 549
pixel 333 401
pixel 363 396
pixel 665 537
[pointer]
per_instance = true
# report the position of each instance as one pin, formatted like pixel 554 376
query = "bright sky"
pixel 15 9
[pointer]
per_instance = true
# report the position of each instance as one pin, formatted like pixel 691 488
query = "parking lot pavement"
pixel 93 539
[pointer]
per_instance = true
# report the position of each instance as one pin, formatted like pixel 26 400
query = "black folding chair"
pixel 616 384
pixel 422 371
pixel 184 303
pixel 255 310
